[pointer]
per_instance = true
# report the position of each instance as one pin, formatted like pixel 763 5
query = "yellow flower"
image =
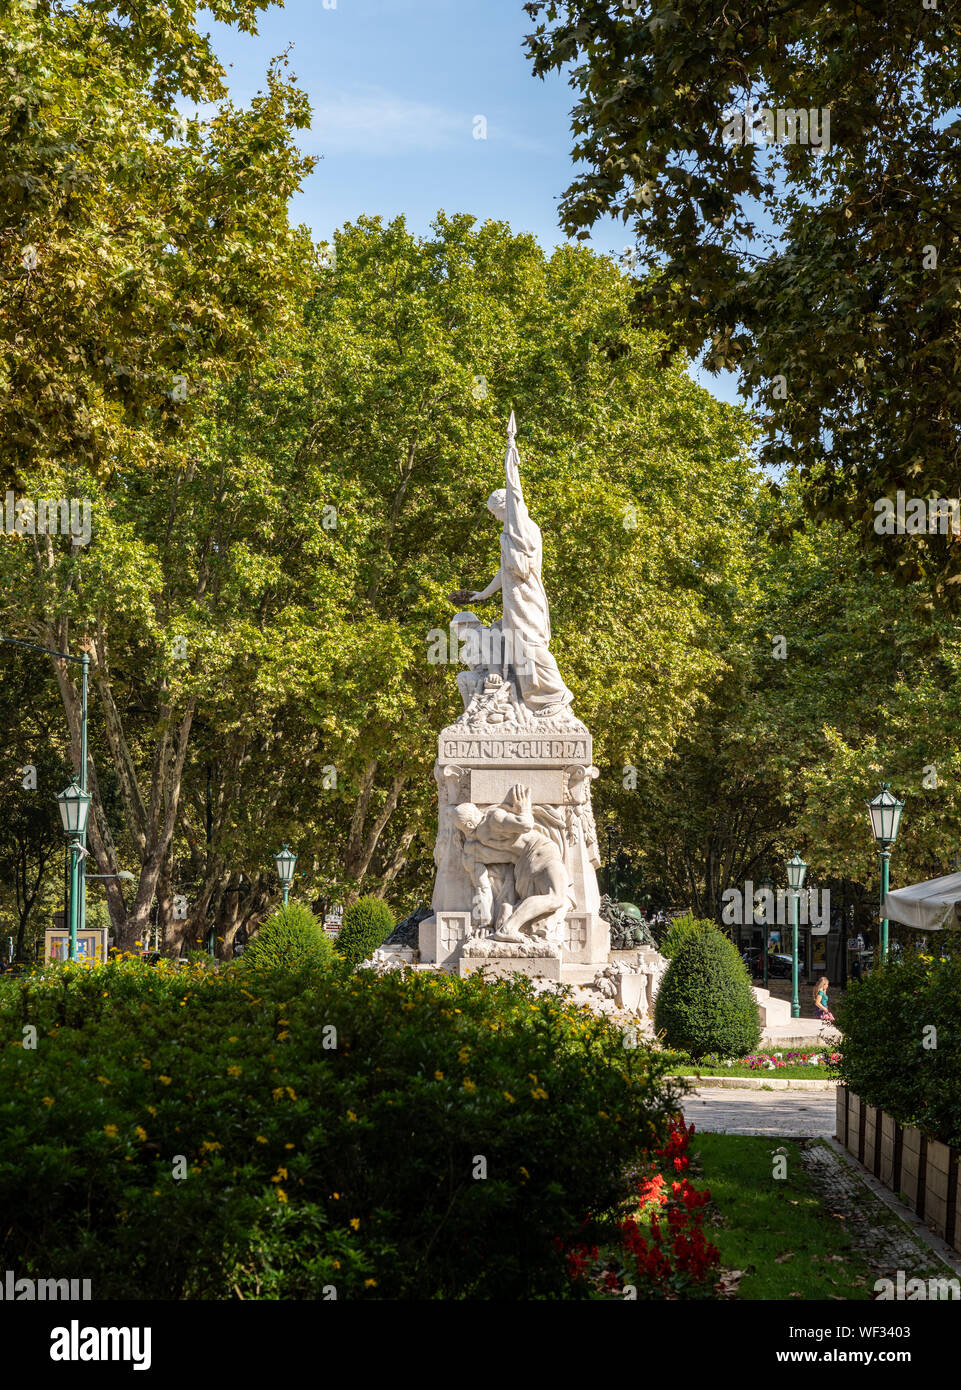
pixel 281 1195
pixel 165 1080
pixel 351 1117
pixel 539 1093
pixel 152 1109
pixel 370 1283
pixel 438 1076
pixel 260 1139
pixel 141 1133
pixel 336 1196
pixel 355 1222
pixel 209 1145
pixel 508 1096
pixel 463 1055
pixel 48 1100
pixel 279 1176
pixel 235 1071
pixel 110 1131
pixel 469 1085
pixel 336 1264
pixel 105 1080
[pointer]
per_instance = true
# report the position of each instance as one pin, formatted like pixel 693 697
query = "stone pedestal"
pixel 499 959
pixel 441 936
pixel 492 748
pixel 586 939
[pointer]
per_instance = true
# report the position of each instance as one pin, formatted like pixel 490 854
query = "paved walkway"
pixel 797 1114
pixel 889 1235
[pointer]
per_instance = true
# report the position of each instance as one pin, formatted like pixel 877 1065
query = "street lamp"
pixel 285 860
pixel 74 805
pixel 885 812
pixel 767 886
pixel 83 662
pixel 796 869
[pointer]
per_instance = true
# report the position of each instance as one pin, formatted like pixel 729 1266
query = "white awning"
pixel 928 906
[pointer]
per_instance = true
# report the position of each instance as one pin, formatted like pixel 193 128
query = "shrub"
pixel 658 1263
pixel 292 938
pixel 705 1003
pixel 902 1043
pixel 330 1124
pixel 367 924
pixel 681 930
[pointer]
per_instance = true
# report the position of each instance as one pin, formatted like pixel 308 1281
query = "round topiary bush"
pixel 681 930
pixel 705 1003
pixel 367 924
pixel 292 938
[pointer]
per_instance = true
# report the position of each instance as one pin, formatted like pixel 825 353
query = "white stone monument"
pixel 516 851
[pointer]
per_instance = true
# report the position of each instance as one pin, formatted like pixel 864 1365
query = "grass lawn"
pixel 789 1072
pixel 776 1230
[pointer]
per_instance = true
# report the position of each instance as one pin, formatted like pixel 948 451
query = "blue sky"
pixel 397 87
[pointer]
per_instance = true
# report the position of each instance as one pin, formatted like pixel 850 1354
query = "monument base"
pixel 587 939
pixel 440 936
pixel 537 959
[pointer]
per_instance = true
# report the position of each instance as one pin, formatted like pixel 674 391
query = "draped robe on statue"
pixel 526 613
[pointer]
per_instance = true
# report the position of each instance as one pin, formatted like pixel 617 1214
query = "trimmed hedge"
pixel 705 1003
pixel 406 1136
pixel 291 938
pixel 681 930
pixel 902 1042
pixel 367 924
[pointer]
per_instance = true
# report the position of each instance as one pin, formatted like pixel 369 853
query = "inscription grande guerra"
pixel 520 750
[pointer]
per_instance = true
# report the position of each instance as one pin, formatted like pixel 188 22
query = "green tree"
pixel 149 256
pixel 828 278
pixel 145 253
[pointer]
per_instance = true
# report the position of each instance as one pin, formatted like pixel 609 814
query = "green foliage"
pixel 853 301
pixel 367 924
pixel 313 622
pixel 681 930
pixel 705 1003
pixel 291 939
pixel 330 1125
pixel 902 1042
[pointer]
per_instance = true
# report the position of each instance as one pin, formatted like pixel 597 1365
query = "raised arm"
pixel 521 532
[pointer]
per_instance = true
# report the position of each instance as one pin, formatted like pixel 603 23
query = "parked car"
pixel 751 956
pixel 779 967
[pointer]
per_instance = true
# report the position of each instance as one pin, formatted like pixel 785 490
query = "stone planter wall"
pixel 923 1172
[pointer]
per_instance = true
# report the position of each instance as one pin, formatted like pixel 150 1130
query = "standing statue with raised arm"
pixel 526 621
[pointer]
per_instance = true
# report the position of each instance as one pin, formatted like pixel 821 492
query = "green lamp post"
pixel 74 805
pixel 285 860
pixel 885 812
pixel 83 662
pixel 796 869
